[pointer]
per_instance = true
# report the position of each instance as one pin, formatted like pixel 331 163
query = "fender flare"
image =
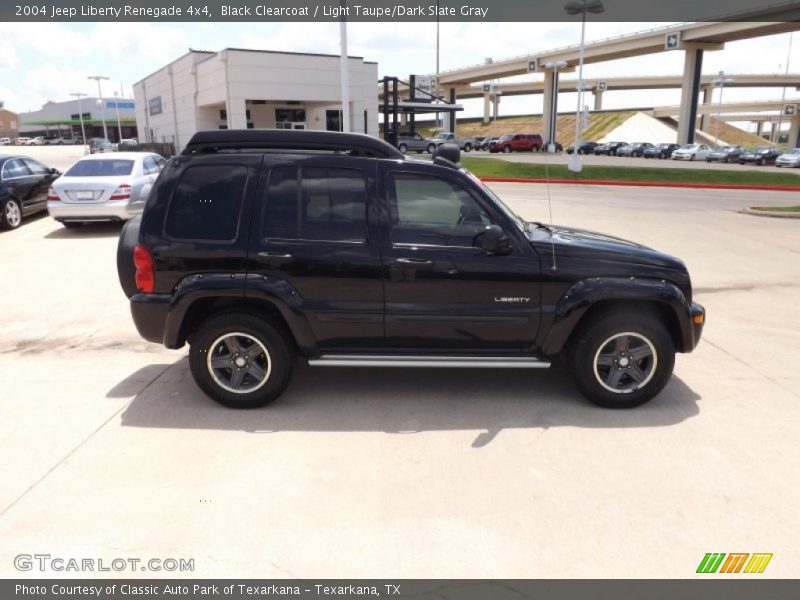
pixel 584 294
pixel 277 292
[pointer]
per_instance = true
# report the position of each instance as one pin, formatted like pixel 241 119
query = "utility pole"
pixel 80 95
pixel 98 79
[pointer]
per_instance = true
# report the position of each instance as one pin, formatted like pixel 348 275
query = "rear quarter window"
pixel 207 203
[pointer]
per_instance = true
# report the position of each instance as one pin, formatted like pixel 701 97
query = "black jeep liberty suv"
pixel 258 247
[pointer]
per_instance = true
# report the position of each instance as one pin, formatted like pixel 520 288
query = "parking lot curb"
pixel 709 186
pixel 770 214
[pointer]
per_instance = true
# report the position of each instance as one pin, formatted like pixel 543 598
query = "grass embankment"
pixel 777 209
pixel 493 167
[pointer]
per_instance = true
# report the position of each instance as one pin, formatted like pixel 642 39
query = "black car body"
pixel 257 247
pixel 726 154
pixel 762 155
pixel 24 183
pixel 660 150
pixel 634 149
pixel 583 148
pixel 609 148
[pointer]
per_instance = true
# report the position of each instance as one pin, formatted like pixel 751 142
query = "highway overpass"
pixel 694 39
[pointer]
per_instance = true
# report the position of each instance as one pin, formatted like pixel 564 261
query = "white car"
pixel 104 187
pixel 5 141
pixel 691 152
pixel 36 141
pixel 22 140
pixel 790 159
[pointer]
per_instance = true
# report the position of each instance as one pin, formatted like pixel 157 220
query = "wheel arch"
pixel 588 300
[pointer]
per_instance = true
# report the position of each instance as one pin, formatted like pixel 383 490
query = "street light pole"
pixel 720 81
pixel 99 78
pixel 80 95
pixel 574 7
pixel 119 125
pixel 345 69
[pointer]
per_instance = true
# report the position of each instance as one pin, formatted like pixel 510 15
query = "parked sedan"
pixel 726 154
pixel 790 159
pixel 691 152
pixel 104 187
pixel 100 145
pixel 762 155
pixel 660 151
pixel 583 148
pixel 23 188
pixel 609 148
pixel 635 149
pixel 35 141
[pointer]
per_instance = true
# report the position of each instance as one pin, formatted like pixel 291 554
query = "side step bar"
pixel 475 362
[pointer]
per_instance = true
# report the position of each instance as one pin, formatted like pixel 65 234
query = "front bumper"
pixel 787 163
pixel 698 316
pixel 111 210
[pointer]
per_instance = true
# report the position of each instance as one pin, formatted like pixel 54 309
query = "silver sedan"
pixel 104 187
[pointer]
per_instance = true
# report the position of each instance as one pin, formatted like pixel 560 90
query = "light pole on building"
pixel 119 125
pixel 580 7
pixel 98 79
pixel 80 95
pixel 345 71
pixel 551 135
pixel 719 81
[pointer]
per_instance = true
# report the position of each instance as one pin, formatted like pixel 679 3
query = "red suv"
pixel 518 142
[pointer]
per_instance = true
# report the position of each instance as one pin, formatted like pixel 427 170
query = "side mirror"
pixel 495 241
pixel 55 171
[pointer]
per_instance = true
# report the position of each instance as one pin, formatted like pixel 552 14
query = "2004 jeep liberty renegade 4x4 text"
pixel 261 247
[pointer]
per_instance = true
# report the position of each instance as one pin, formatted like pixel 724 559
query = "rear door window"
pixel 316 203
pixel 207 203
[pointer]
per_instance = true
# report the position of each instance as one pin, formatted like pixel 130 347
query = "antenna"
pixel 553 267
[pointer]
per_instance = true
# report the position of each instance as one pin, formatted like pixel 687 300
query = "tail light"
pixel 123 192
pixel 145 274
pixel 52 196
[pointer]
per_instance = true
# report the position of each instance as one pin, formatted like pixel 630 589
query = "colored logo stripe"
pixel 710 562
pixel 713 562
pixel 758 563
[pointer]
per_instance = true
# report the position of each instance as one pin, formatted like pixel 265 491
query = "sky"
pixel 48 61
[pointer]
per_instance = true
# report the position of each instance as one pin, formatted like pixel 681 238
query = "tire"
pixel 761 163
pixel 693 157
pixel 72 224
pixel 535 148
pixel 265 351
pixel 467 147
pixel 596 344
pixel 431 148
pixel 403 148
pixel 507 150
pixel 10 214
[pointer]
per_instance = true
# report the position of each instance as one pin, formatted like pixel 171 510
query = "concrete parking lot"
pixel 625 161
pixel 110 450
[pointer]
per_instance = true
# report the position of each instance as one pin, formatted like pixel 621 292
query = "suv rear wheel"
pixel 241 360
pixel 403 148
pixel 623 360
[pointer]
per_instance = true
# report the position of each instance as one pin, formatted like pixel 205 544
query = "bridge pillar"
pixel 759 128
pixel 496 106
pixel 550 109
pixel 708 92
pixel 487 101
pixel 794 132
pixel 598 99
pixel 690 88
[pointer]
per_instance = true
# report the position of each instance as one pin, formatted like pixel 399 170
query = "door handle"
pixel 273 256
pixel 414 261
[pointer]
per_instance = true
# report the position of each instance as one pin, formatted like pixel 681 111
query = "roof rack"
pixel 355 144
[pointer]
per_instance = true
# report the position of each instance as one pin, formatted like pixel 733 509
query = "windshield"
pixel 795 151
pixel 100 168
pixel 505 137
pixel 500 204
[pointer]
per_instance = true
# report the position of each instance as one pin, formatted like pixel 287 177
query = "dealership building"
pixel 9 124
pixel 253 89
pixel 102 117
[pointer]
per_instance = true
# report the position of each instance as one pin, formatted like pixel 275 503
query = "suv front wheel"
pixel 623 360
pixel 241 360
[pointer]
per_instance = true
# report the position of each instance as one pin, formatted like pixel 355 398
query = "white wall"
pixel 196 86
